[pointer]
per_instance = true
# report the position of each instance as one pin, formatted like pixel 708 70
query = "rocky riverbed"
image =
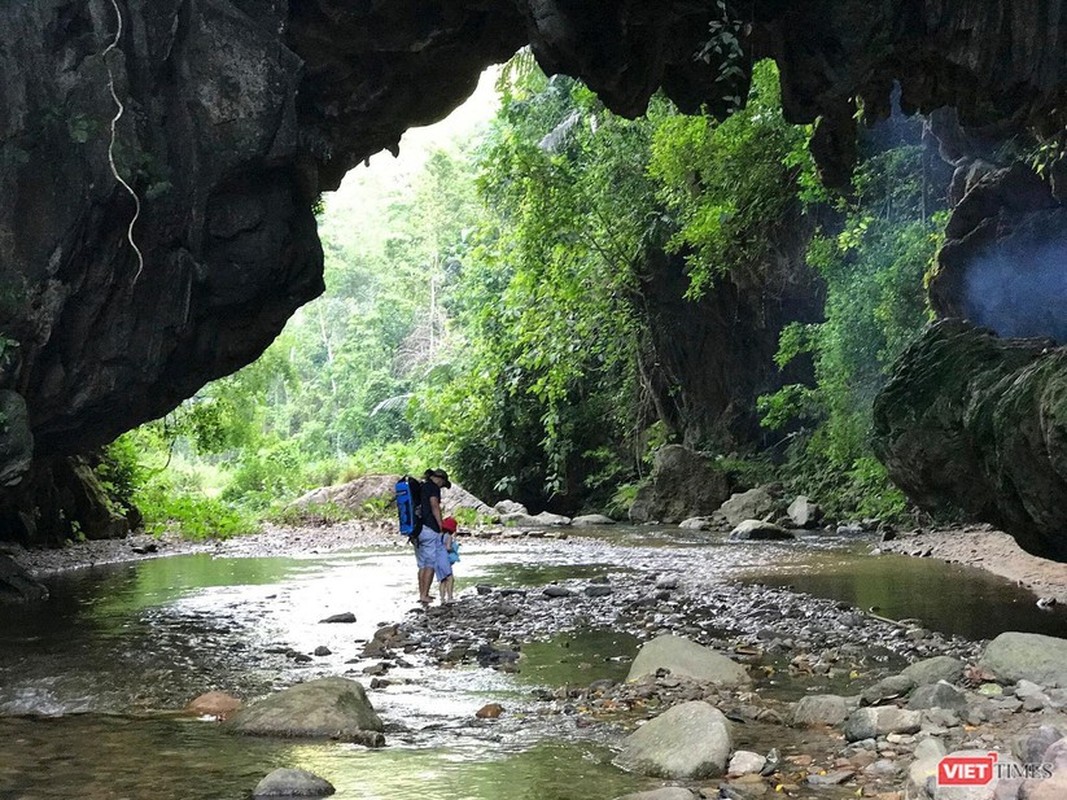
pixel 832 707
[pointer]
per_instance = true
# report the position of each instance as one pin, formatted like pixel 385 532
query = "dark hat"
pixel 439 473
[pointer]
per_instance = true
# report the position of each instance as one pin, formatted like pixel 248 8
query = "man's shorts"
pixel 426 552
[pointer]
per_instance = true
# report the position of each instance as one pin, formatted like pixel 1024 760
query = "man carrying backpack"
pixel 429 543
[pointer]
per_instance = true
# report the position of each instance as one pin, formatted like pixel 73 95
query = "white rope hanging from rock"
pixel 111 145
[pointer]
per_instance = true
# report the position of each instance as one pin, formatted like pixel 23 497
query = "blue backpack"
pixel 409 506
pixel 453 551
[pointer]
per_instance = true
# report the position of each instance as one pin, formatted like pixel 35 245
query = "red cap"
pixel 448 524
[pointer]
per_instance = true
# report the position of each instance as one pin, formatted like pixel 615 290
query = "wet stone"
pixel 598 591
pixel 834 778
pixel 292 783
pixel 345 618
pixel 822 709
pixel 744 762
pixel 938 695
pixel 932 670
pixel 1030 746
pixel 887 689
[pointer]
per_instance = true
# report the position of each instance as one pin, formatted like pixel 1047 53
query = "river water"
pixel 92 681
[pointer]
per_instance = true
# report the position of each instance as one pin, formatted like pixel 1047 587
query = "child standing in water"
pixel 448 554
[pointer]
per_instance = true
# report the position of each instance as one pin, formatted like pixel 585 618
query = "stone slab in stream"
pixel 336 708
pixel 757 530
pixel 687 659
pixel 667 793
pixel 290 783
pixel 822 709
pixel 587 520
pixel 688 741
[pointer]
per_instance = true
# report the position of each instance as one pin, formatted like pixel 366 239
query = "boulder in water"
pixel 666 793
pixel 697 524
pixel 689 741
pixel 757 530
pixel 335 708
pixel 587 520
pixel 510 507
pixel 867 723
pixel 803 513
pixel 213 704
pixel 292 783
pixel 821 709
pixel 932 670
pixel 688 659
pixel 753 504
pixel 549 519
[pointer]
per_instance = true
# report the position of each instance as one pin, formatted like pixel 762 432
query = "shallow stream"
pixel 91 681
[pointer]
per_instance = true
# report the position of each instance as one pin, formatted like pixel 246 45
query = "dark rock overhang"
pixel 238 113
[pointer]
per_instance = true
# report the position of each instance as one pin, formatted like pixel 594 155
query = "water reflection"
pixel 578 656
pixel 106 758
pixel 150 636
pixel 946 597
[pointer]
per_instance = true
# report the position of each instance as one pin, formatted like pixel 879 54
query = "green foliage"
pixel 724 47
pixel 120 470
pixel 314 514
pixel 470 518
pixel 618 507
pixel 483 314
pixel 731 186
pixel 193 516
pixel 748 472
pixel 873 266
pixel 544 402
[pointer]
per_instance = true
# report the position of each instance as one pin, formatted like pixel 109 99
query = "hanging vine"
pixel 120 110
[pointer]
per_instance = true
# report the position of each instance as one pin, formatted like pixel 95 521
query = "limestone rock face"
pixel 1001 264
pixel 979 423
pixel 684 484
pixel 16 440
pixel 16 586
pixel 688 741
pixel 337 708
pixel 686 659
pixel 238 114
